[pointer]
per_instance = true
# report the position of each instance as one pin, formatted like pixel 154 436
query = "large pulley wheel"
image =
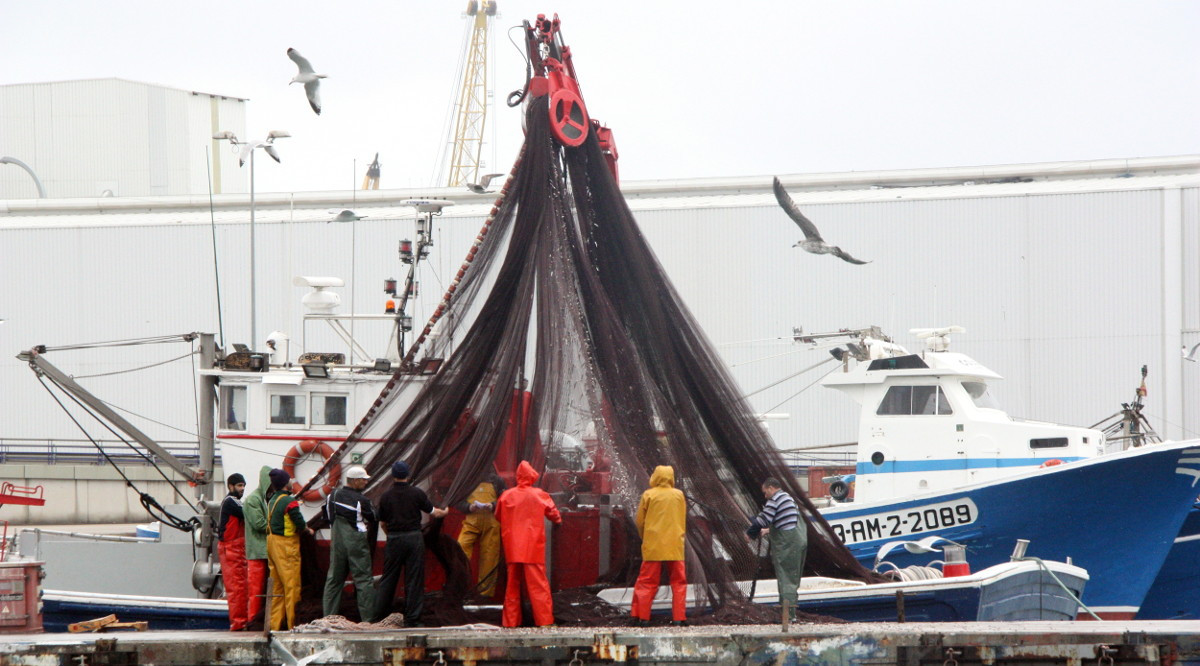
pixel 568 117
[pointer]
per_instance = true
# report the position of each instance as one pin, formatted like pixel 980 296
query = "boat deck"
pixel 1129 642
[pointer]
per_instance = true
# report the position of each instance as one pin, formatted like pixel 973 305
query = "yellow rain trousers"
pixel 283 560
pixel 482 528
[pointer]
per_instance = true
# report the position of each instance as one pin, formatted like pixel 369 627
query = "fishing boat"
pixel 937 456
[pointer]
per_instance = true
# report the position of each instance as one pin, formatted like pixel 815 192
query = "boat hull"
pixel 62 608
pixel 1175 594
pixel 1012 591
pixel 1116 516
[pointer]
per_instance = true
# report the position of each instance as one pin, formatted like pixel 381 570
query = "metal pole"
pixel 253 282
pixel 208 404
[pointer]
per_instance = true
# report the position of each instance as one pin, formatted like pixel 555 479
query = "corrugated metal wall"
pixel 1063 294
pixel 85 137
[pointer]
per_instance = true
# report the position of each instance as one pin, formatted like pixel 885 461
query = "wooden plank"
pixel 140 625
pixel 92 625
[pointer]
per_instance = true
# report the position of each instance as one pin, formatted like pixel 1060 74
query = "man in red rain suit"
pixel 231 549
pixel 521 512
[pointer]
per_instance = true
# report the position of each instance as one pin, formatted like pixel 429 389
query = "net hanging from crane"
pixel 571 349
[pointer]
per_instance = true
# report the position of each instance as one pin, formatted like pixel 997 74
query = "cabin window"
pixel 233 408
pixel 328 410
pixel 287 409
pixel 1048 443
pixel 980 395
pixel 914 400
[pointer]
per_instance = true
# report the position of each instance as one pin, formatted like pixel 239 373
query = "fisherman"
pixel 350 513
pixel 231 548
pixel 481 528
pixel 788 536
pixel 400 511
pixel 522 512
pixel 661 523
pixel 255 510
pixel 283 549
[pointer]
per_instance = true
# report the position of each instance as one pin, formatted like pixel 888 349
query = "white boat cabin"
pixel 929 423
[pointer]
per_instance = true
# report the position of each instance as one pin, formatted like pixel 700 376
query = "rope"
pixel 144 367
pixel 146 500
pixel 794 374
pixel 132 342
pixel 810 385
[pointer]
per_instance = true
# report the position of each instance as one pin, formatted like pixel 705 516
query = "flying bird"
pixel 481 186
pixel 1187 356
pixel 346 216
pixel 812 238
pixel 310 79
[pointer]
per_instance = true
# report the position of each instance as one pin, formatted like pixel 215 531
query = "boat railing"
pixel 84 452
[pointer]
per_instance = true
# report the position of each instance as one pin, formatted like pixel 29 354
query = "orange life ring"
pixel 1052 462
pixel 301 449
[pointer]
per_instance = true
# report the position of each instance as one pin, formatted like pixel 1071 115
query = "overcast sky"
pixel 691 89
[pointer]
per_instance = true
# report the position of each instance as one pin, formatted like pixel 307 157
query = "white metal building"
pixel 128 139
pixel 1068 278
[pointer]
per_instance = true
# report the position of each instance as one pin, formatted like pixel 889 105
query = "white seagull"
pixel 812 238
pixel 310 79
pixel 346 216
pixel 1187 356
pixel 481 186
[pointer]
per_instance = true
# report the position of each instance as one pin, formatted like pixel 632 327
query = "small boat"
pixel 61 608
pixel 937 456
pixel 1023 589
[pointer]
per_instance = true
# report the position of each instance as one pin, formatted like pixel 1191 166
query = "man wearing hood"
pixel 661 523
pixel 231 549
pixel 481 528
pixel 283 549
pixel 522 512
pixel 255 510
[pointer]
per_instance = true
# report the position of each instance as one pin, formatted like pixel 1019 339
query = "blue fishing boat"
pixel 937 456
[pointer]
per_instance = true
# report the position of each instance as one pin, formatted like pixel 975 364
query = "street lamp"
pixel 247 152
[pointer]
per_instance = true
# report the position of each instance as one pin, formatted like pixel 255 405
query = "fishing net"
pixel 564 343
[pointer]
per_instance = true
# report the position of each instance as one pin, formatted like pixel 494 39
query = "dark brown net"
pixel 566 345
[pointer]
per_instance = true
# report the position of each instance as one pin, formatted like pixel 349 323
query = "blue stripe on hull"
pixel 1115 516
pixel 947 465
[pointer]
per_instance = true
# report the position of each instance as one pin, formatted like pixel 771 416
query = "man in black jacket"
pixel 400 511
pixel 350 513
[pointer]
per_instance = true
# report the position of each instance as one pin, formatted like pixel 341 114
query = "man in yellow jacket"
pixel 481 527
pixel 661 523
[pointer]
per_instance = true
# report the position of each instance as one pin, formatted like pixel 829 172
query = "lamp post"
pixel 247 152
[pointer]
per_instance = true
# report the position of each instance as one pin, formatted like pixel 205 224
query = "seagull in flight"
pixel 1187 356
pixel 481 186
pixel 310 79
pixel 346 216
pixel 812 238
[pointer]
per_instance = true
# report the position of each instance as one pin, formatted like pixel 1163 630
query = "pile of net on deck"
pixel 566 326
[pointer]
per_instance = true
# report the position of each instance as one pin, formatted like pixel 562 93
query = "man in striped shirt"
pixel 788 536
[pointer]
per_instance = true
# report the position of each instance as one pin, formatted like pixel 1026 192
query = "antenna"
pixel 213 224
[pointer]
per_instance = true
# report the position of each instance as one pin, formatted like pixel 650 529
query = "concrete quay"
pixel 1074 643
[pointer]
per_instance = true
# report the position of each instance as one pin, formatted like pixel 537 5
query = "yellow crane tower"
pixel 472 98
